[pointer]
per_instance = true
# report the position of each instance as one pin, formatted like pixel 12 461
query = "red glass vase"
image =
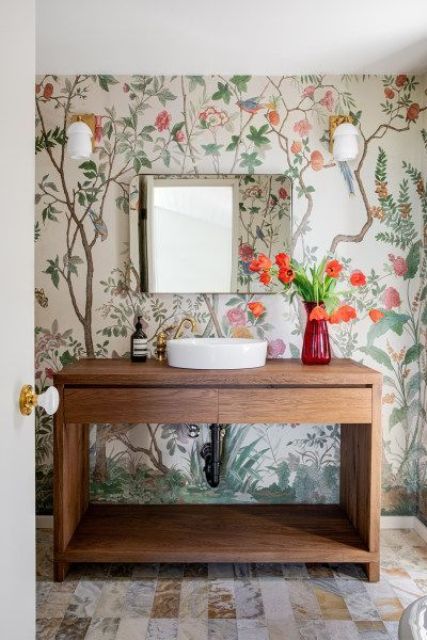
pixel 316 348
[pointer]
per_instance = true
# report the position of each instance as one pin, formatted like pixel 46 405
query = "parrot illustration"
pixel 348 176
pixel 251 105
pixel 99 224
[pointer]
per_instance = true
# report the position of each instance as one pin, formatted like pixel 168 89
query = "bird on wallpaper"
pixel 260 235
pixel 348 176
pixel 250 105
pixel 99 224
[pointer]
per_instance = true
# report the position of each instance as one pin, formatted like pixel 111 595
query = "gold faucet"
pixel 180 327
pixel 161 337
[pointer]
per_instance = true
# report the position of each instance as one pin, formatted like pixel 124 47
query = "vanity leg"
pixel 372 571
pixel 71 484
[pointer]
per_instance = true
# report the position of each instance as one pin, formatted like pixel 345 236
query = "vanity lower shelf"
pixel 216 533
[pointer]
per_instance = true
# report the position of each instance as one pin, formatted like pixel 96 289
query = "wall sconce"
pixel 81 136
pixel 343 136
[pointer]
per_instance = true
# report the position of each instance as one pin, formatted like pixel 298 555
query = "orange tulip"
pixel 333 268
pixel 376 315
pixel 282 260
pixel 286 275
pixel 318 313
pixel 256 308
pixel 358 278
pixel 261 263
pixel 265 278
pixel 345 313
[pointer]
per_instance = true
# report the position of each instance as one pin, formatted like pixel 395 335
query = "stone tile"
pixel 276 599
pixel 303 600
pixel 406 590
pixel 162 629
pixel 248 596
pixel 342 630
pixel 111 602
pixel 193 629
pixel 252 630
pixel 132 629
pixel 222 630
pixel 72 628
pixel 46 628
pixel 55 605
pixel 314 630
pixel 139 598
pixel 392 629
pixel 332 605
pixel 372 630
pixel 242 571
pixel 221 599
pixel 389 609
pixel 166 599
pixel 193 603
pixel 281 629
pixel 102 629
pixel 85 599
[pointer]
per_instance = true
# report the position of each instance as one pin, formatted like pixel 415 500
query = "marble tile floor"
pixel 230 602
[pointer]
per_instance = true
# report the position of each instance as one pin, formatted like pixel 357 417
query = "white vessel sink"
pixel 217 353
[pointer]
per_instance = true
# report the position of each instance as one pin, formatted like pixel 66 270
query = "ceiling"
pixel 231 36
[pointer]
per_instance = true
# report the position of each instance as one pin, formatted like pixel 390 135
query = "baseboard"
pixel 387 522
pixel 44 522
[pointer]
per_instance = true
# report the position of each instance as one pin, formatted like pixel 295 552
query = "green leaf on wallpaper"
pixel 378 355
pixel 412 353
pixel 257 136
pixel 392 321
pixel 250 161
pixel 413 385
pixel 53 271
pixel 212 149
pixel 397 415
pixel 196 81
pixel 89 169
pixel 233 144
pixel 166 156
pixel 424 316
pixel 223 93
pixel 233 301
pixel 164 96
pixel 105 81
pixel 413 260
pixel 295 352
pixel 240 82
pixel 176 127
pixel 66 358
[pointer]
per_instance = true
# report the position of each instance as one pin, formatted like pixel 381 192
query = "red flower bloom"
pixel 309 91
pixel 180 136
pixel 316 161
pixel 286 275
pixel 283 193
pixel 345 313
pixel 265 278
pixel 333 268
pixel 389 93
pixel 262 263
pixel 358 278
pixel 376 315
pixel 246 252
pixel 162 121
pixel 296 147
pixel 283 260
pixel 401 80
pixel 391 298
pixel 413 112
pixel 256 308
pixel 318 313
pixel 48 91
pixel 400 265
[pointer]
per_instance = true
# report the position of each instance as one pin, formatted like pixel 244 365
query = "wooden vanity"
pixel 284 391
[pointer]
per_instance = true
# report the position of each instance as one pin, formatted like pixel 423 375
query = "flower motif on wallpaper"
pixel 212 117
pixel 163 120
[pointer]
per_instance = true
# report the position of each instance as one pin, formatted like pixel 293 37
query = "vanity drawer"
pixel 134 405
pixel 310 405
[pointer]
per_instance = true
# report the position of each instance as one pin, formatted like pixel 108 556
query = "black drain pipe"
pixel 211 453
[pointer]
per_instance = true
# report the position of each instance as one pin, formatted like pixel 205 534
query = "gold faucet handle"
pixel 161 346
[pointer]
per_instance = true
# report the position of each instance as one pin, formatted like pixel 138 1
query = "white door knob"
pixel 28 399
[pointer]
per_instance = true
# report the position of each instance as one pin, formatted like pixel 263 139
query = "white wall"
pixel 17 570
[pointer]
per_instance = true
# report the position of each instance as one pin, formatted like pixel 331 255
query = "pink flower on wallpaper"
pixel 126 87
pixel 309 91
pixel 276 348
pixel 246 252
pixel 283 194
pixel 162 121
pixel 400 265
pixel 328 100
pixel 302 127
pixel 180 136
pixel 236 317
pixel 212 117
pixel 391 298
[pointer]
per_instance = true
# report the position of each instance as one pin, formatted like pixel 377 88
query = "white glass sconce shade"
pixel 79 145
pixel 345 142
pixel 49 400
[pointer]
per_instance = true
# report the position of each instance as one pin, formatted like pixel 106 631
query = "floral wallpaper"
pixel 371 215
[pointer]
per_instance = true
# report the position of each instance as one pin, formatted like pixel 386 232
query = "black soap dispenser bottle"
pixel 138 344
